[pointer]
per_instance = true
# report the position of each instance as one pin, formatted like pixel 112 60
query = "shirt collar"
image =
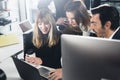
pixel 114 33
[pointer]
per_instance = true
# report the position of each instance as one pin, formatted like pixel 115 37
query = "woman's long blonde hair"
pixel 45 16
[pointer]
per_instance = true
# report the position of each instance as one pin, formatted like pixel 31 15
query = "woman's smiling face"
pixel 44 27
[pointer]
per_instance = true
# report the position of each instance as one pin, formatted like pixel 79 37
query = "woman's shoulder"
pixel 65 29
pixel 93 34
pixel 28 35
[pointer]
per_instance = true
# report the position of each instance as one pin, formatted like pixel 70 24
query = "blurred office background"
pixel 15 11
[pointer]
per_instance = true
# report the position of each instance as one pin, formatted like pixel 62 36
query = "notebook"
pixel 28 72
pixel 8 39
pixel 25 26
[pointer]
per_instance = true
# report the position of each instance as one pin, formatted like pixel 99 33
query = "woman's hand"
pixel 60 21
pixel 55 74
pixel 33 60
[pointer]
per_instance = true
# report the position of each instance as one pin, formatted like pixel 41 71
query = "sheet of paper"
pixel 8 39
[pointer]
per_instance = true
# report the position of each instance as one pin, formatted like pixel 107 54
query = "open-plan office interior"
pixel 19 10
pixel 12 14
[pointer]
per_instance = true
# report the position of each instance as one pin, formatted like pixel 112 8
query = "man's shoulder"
pixel 117 34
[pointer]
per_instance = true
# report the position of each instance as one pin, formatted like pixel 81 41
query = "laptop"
pixel 90 58
pixel 27 71
pixel 25 26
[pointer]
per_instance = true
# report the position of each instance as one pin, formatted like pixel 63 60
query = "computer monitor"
pixel 88 58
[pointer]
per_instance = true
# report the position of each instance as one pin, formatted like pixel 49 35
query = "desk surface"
pixel 9 68
pixel 7 51
pixel 6 62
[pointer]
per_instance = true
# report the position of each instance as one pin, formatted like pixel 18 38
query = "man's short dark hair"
pixel 108 13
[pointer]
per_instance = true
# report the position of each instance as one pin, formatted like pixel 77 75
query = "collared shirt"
pixel 114 33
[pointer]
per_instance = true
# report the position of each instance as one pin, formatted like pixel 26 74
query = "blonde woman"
pixel 46 44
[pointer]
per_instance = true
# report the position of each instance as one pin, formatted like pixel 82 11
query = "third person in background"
pixel 78 17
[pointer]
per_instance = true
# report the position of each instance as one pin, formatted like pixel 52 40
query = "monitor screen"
pixel 88 58
pixel 25 26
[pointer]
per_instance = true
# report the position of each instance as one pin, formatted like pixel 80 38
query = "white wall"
pixel 22 9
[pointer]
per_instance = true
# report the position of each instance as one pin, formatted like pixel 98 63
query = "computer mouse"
pixel 2 75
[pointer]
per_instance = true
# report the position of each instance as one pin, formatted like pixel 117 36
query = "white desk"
pixel 9 68
pixel 7 51
pixel 6 62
